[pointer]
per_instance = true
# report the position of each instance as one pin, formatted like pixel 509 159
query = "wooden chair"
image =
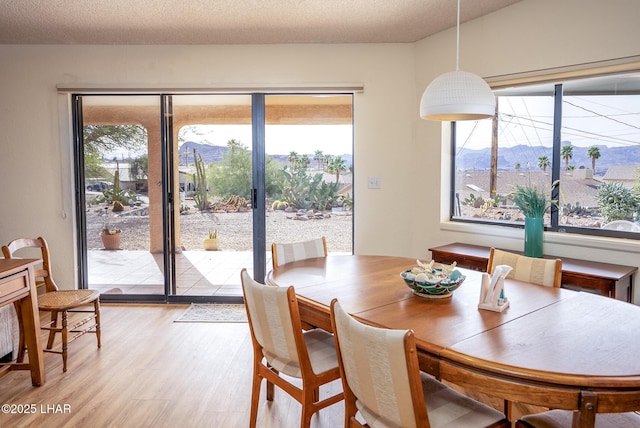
pixel 382 382
pixel 57 302
pixel 597 410
pixel 280 346
pixel 290 252
pixel 547 272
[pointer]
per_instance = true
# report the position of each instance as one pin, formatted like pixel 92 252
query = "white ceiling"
pixel 173 22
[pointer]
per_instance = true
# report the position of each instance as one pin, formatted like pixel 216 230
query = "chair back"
pixel 379 369
pixel 547 272
pixel 33 248
pixel 275 325
pixel 291 252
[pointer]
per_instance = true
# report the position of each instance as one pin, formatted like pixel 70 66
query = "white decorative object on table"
pixel 433 280
pixel 492 296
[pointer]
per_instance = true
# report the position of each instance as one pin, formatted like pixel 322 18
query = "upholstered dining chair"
pixel 383 384
pixel 547 272
pixel 56 302
pixel 564 419
pixel 282 253
pixel 281 347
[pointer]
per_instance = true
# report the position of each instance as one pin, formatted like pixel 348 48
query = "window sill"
pixel 559 238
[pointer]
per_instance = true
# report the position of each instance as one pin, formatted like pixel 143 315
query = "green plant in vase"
pixel 533 203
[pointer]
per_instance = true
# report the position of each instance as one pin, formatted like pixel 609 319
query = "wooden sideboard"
pixel 17 285
pixel 608 279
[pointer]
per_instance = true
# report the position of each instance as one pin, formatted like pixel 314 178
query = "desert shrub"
pixel 617 202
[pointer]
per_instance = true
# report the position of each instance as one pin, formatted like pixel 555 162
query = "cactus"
pixel 200 178
pixel 117 203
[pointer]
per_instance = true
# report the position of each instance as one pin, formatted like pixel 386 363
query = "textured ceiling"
pixel 231 21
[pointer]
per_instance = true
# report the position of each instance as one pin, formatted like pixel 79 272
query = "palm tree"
pixel 304 161
pixel 594 153
pixel 336 165
pixel 544 163
pixel 318 156
pixel 567 154
pixel 293 159
pixel 327 159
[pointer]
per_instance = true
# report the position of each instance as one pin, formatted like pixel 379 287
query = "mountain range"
pixel 508 157
pixel 211 153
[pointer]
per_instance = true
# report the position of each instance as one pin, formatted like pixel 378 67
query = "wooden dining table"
pixel 551 347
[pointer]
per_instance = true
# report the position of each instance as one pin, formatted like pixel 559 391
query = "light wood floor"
pixel 152 372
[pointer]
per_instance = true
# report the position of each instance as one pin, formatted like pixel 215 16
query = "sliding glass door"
pixel 215 217
pixel 119 155
pixel 309 169
pixel 180 192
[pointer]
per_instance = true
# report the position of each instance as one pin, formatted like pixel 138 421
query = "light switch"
pixel 374 183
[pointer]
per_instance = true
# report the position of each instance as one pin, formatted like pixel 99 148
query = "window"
pixel 582 134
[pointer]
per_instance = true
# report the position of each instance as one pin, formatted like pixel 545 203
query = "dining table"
pixel 551 347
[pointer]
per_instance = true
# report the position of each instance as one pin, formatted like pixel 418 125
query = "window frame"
pixel 559 80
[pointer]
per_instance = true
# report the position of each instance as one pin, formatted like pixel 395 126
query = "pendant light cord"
pixel 458 39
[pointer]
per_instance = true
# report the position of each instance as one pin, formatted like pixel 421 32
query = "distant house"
pixel 126 183
pixel 627 175
pixel 573 189
pixel 186 178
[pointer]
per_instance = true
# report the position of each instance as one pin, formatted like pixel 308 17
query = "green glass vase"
pixel 533 236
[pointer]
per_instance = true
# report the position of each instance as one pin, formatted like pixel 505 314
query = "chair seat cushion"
pixel 65 299
pixel 563 418
pixel 446 408
pixel 322 355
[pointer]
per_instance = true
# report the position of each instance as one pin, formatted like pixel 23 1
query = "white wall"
pixel 528 36
pixel 402 218
pixel 35 165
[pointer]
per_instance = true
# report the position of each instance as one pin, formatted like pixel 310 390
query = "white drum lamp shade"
pixel 457 95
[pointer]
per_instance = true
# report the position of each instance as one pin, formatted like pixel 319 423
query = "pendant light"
pixel 457 95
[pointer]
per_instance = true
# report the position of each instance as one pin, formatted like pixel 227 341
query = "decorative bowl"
pixel 441 285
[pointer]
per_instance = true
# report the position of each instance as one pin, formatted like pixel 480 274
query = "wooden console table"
pixel 17 285
pixel 576 274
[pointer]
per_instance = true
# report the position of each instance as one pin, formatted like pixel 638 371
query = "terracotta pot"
pixel 111 242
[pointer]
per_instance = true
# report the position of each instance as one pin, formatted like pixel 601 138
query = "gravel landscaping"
pixel 234 229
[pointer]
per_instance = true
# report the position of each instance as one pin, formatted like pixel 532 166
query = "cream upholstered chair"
pixel 290 252
pixel 280 346
pixel 563 419
pixel 382 382
pixel 57 302
pixel 546 272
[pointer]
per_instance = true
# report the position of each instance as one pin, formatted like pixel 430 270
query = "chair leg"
pixel 96 309
pixel 255 398
pixel 270 385
pixel 308 408
pixel 65 334
pixel 21 342
pixel 270 390
pixel 305 419
pixel 53 324
pixel 508 409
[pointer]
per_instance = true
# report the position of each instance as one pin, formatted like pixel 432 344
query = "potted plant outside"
pixel 533 203
pixel 110 238
pixel 211 243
